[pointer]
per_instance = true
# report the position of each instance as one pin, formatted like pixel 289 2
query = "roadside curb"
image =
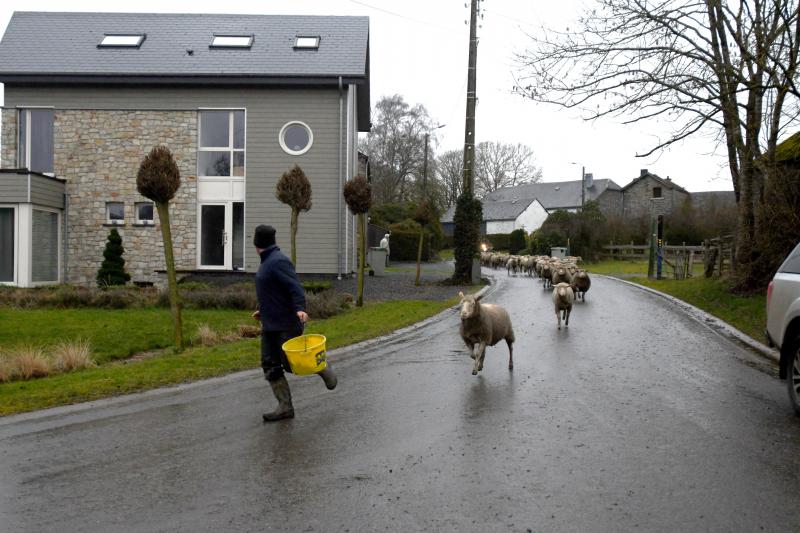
pixel 715 324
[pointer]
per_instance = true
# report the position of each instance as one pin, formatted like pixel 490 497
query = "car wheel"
pixel 793 375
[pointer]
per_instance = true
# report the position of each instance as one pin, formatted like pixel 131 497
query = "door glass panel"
pixel 212 235
pixel 214 163
pixel 44 266
pixel 238 235
pixel 6 244
pixel 214 129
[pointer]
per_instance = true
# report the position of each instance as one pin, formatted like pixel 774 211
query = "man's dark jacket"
pixel 280 295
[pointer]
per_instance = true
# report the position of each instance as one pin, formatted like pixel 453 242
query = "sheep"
pixel 547 274
pixel 527 265
pixel 561 275
pixel 581 283
pixel 563 296
pixel 512 265
pixel 484 324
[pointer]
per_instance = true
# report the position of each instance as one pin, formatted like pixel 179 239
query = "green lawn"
pixel 745 313
pixel 122 377
pixel 114 333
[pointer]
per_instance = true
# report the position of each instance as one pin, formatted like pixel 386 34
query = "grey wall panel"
pixel 267 111
pixel 13 188
pixel 47 192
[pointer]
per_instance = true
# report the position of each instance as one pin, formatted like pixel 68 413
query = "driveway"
pixel 634 417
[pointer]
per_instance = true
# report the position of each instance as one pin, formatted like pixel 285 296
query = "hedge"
pixel 403 246
pixel 499 240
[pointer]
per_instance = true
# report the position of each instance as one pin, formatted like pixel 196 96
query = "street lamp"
pixel 425 162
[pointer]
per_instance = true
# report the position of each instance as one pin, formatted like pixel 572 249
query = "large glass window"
pixel 35 141
pixel 44 256
pixel 221 145
pixel 7 247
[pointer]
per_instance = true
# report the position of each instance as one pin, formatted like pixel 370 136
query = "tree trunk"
pixel 419 253
pixel 362 244
pixel 174 296
pixel 294 236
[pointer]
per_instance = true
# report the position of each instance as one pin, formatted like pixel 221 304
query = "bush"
pixel 28 362
pixel 404 244
pixel 112 270
pixel 75 355
pixel 325 304
pixel 516 241
pixel 467 220
pixel 500 241
pixel 315 287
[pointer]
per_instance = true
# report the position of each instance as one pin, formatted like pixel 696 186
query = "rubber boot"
pixel 329 377
pixel 280 388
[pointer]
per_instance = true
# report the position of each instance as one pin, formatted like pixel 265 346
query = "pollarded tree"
pixel 159 179
pixel 112 270
pixel 294 190
pixel 358 195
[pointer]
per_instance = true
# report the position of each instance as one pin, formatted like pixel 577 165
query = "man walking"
pixel 281 309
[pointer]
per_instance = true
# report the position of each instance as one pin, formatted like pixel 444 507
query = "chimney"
pixel 643 172
pixel 588 179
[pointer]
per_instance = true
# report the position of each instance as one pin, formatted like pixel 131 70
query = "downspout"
pixel 339 195
pixel 65 262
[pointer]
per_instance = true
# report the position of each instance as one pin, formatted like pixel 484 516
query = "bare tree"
pixel 450 176
pixel 726 67
pixel 396 148
pixel 503 165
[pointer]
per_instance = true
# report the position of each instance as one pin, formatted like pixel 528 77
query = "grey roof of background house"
pixel 508 210
pixel 666 182
pixel 552 195
pixel 48 43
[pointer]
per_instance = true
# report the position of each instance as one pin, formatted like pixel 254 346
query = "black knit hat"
pixel 264 236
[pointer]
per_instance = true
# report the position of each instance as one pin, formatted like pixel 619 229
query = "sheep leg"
pixel 558 316
pixel 478 366
pixel 566 316
pixel 510 354
pixel 471 350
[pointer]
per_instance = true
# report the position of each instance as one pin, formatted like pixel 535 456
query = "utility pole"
pixel 583 187
pixel 469 130
pixel 425 169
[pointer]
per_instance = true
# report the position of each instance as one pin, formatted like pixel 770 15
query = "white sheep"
pixel 484 325
pixel 563 296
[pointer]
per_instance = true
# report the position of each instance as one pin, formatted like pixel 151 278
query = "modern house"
pixel 239 99
pixel 504 217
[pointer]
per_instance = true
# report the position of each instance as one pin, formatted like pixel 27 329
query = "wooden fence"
pixel 717 255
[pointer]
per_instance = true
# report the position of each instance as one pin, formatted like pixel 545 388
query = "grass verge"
pixel 122 377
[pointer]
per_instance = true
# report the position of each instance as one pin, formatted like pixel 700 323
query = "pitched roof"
pixel 48 43
pixel 552 195
pixel 495 211
pixel 668 183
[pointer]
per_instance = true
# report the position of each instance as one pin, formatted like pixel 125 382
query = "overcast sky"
pixel 419 50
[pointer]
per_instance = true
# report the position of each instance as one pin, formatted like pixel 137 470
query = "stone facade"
pixel 9 139
pixel 639 201
pixel 610 203
pixel 98 153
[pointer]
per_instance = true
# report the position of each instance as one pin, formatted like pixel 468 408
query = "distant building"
pixel 647 195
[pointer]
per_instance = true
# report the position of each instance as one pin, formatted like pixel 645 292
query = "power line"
pixel 406 17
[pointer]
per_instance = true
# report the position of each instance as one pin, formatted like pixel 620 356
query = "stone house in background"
pixel 650 195
pixel 238 99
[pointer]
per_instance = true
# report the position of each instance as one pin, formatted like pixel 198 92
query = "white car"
pixel 783 322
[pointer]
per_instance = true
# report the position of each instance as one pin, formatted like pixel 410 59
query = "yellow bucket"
pixel 306 354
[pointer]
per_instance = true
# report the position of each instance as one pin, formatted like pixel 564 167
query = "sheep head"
pixel 470 306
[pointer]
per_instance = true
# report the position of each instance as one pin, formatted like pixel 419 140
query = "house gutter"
pixel 339 195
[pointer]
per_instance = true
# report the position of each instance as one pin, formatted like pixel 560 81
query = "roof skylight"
pixel 122 40
pixel 231 41
pixel 307 41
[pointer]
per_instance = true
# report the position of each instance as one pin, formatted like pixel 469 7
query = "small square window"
pixel 231 41
pixel 144 212
pixel 307 42
pixel 129 40
pixel 657 192
pixel 115 213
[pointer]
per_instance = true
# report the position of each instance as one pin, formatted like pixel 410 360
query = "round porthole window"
pixel 296 138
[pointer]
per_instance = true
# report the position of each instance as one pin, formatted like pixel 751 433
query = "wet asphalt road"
pixel 633 418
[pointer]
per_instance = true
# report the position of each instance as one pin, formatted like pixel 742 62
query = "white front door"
pixel 221 236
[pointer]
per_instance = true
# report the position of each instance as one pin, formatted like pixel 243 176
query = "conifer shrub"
pixel 467 220
pixel 516 241
pixel 112 270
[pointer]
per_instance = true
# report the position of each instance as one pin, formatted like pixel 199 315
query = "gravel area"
pixel 397 284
